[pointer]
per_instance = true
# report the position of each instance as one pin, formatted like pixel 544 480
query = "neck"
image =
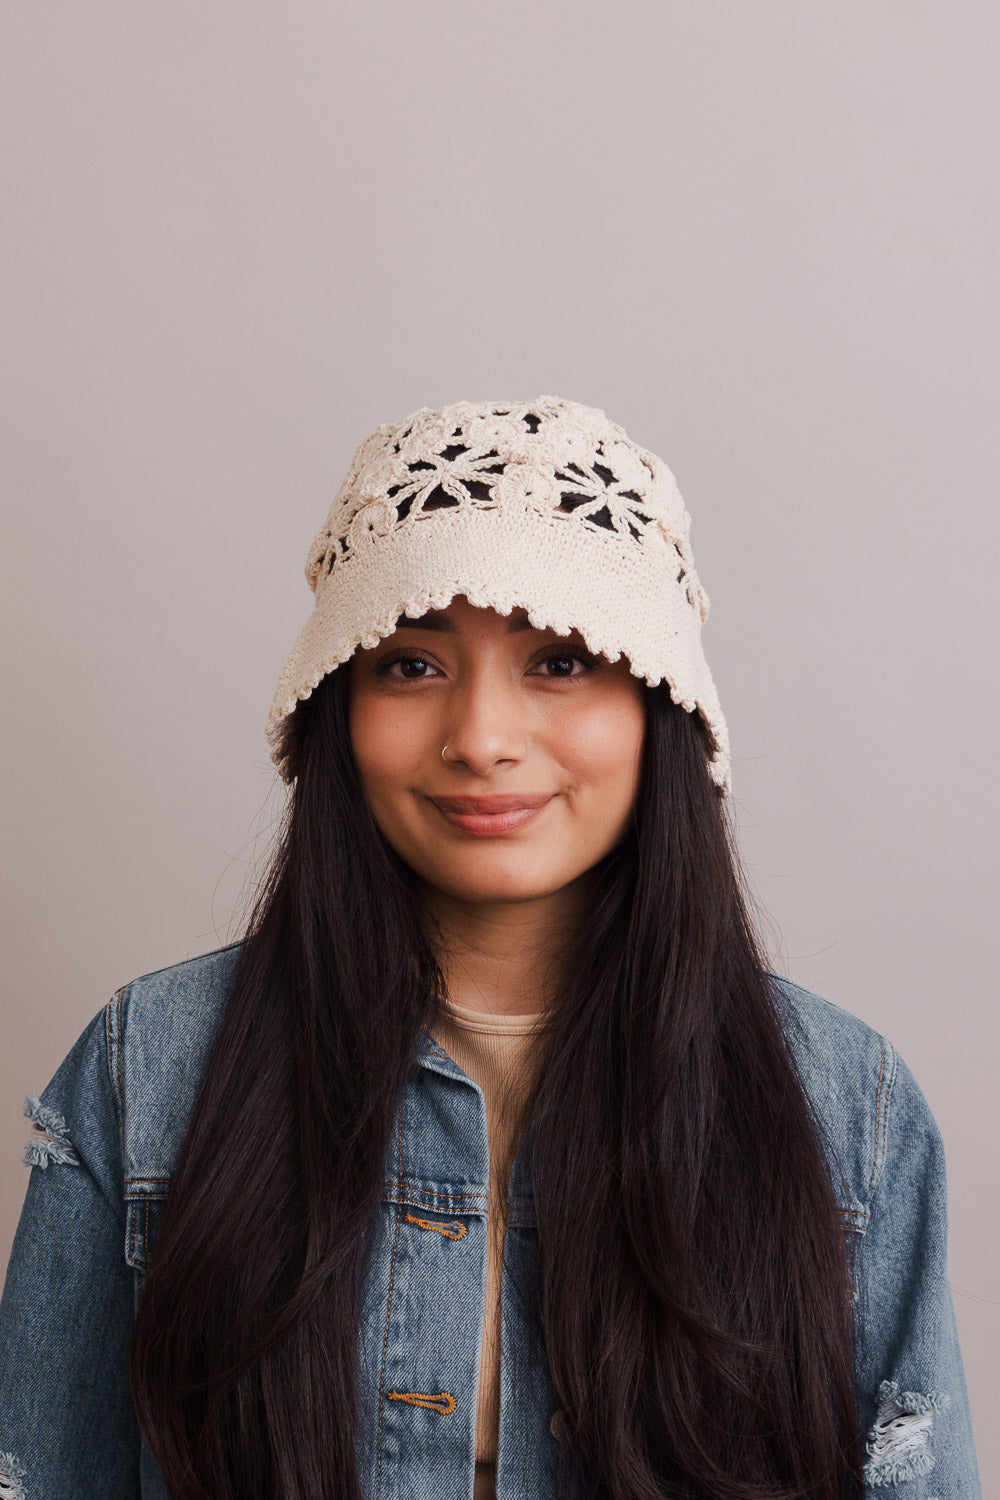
pixel 505 957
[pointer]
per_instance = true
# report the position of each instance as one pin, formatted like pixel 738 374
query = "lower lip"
pixel 483 825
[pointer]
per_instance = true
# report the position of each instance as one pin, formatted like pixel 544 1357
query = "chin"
pixel 496 887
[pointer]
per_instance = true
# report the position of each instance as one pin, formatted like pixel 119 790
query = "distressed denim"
pixel 107 1131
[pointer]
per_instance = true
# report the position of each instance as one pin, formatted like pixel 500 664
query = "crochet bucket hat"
pixel 543 505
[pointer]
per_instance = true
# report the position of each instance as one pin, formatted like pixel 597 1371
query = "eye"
pixel 562 657
pixel 383 665
pixel 406 658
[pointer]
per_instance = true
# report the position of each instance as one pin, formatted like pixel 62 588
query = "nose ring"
pixel 443 749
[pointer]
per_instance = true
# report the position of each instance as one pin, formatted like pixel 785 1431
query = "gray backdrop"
pixel 764 238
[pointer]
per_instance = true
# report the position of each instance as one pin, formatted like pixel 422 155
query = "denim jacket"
pixel 108 1129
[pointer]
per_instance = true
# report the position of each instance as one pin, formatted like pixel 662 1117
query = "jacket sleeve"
pixel 913 1399
pixel 67 1426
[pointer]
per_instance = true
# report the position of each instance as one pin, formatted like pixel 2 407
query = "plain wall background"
pixel 764 238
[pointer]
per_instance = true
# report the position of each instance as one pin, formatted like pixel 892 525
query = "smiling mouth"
pixel 491 815
pixel 506 802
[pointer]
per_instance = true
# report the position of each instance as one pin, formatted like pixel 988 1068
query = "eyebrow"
pixel 434 619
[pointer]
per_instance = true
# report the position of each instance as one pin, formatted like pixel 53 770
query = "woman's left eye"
pixel 569 656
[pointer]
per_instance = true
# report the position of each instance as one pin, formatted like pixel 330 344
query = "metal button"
pixel 557 1425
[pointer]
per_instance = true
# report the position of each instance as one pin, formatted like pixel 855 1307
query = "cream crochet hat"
pixel 544 505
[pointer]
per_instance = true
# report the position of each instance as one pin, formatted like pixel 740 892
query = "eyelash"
pixel 589 661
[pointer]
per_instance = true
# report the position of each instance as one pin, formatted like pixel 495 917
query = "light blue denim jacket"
pixel 113 1118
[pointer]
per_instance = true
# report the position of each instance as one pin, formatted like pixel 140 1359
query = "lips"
pixel 511 802
pixel 489 816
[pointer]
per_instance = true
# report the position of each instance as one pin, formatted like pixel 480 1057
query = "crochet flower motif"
pixel 523 484
pixel 567 462
pixel 374 518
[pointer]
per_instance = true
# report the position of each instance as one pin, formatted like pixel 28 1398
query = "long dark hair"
pixel 694 1289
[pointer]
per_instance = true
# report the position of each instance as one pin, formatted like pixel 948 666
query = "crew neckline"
pixel 486 1021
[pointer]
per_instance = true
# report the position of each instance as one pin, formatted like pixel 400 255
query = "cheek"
pixel 606 742
pixel 382 752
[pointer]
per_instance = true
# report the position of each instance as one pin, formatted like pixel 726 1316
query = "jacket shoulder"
pixel 160 1030
pixel 848 1071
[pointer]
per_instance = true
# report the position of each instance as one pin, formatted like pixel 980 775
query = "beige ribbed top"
pixel 497 1053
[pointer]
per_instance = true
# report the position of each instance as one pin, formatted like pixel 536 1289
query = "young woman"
pixel 492 1159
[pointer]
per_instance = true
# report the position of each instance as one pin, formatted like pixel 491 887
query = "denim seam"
pixel 113 1036
pixel 133 1201
pixel 887 1077
pixel 388 1309
pixel 402 1185
pixel 428 1197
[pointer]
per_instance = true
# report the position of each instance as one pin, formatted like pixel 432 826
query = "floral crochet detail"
pixel 537 456
pixel 546 505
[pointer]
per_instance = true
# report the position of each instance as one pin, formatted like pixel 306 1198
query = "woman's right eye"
pixel 403 659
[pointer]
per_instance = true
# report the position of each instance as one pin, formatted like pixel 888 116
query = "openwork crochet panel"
pixel 543 455
pixel 546 505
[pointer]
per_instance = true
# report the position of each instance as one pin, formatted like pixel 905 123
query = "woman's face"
pixel 525 714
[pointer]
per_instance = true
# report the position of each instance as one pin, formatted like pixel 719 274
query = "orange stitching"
pixel 402 1201
pixel 430 1402
pixel 411 1187
pixel 428 1193
pixel 444 1229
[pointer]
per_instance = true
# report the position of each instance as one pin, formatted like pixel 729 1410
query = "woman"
pixel 492 1159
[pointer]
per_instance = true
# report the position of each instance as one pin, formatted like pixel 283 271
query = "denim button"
pixel 557 1425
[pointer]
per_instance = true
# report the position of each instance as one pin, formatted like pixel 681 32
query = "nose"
pixel 485 723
